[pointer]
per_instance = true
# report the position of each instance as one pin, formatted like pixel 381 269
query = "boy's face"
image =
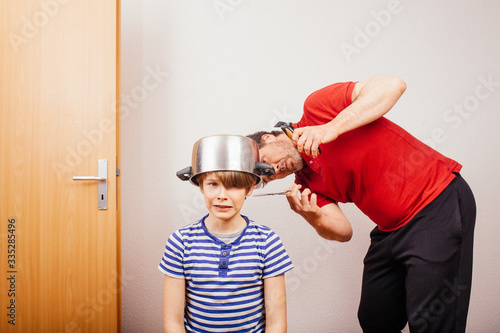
pixel 223 203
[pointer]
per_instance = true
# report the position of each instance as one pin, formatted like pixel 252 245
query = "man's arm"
pixel 275 303
pixel 329 221
pixel 371 99
pixel 174 295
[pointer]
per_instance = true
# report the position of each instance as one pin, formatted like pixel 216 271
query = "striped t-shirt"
pixel 224 282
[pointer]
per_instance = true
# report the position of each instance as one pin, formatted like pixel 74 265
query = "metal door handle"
pixel 88 178
pixel 102 186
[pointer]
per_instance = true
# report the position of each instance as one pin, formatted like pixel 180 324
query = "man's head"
pixel 276 149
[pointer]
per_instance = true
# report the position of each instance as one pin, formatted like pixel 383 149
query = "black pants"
pixel 421 273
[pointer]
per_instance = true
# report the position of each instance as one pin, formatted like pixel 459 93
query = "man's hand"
pixel 307 139
pixel 306 208
pixel 329 221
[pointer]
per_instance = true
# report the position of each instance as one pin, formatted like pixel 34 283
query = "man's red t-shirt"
pixel 385 171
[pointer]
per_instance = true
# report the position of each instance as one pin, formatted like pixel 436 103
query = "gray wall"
pixel 194 68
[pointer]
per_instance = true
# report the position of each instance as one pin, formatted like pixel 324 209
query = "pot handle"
pixel 263 169
pixel 185 174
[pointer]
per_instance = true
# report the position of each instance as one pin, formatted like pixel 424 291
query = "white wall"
pixel 234 67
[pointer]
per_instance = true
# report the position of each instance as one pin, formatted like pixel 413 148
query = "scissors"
pixel 273 193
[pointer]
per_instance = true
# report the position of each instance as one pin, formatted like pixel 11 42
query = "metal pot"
pixel 225 153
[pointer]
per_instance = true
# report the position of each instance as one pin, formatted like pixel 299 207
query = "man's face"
pixel 281 153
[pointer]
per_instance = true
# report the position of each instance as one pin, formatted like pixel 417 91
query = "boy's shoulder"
pixel 257 227
pixel 253 224
pixel 191 229
pixel 192 225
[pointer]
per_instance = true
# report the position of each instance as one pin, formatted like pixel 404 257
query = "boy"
pixel 224 273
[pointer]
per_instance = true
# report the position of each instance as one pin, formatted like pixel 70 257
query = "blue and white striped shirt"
pixel 224 282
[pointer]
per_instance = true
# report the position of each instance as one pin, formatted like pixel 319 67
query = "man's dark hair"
pixel 257 136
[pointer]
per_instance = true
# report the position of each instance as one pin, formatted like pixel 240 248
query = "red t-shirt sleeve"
pixel 325 104
pixel 319 108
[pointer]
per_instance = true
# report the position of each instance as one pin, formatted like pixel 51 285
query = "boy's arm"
pixel 275 303
pixel 174 295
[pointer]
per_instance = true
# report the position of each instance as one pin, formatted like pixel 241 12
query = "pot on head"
pixel 225 153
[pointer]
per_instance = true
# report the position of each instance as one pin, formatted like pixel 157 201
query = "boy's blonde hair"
pixel 231 179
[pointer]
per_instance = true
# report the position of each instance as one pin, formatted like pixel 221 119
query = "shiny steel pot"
pixel 225 153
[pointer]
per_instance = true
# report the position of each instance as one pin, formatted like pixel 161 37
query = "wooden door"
pixel 59 254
